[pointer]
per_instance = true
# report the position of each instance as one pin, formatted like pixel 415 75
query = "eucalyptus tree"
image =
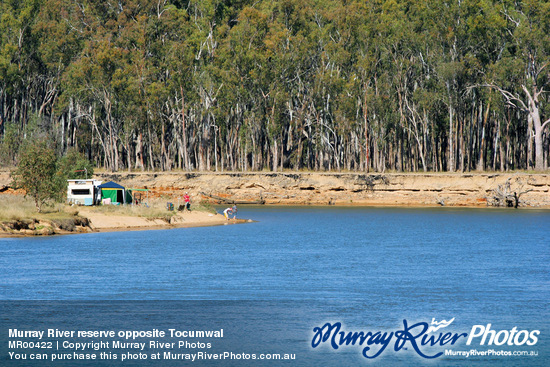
pixel 525 61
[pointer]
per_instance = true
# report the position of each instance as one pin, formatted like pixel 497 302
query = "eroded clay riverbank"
pixel 297 188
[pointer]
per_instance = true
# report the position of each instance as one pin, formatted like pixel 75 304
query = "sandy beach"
pixel 101 222
pixel 90 220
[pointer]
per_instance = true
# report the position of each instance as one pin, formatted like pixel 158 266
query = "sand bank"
pixel 90 220
pixel 107 222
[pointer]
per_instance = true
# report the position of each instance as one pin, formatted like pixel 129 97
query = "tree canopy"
pixel 403 85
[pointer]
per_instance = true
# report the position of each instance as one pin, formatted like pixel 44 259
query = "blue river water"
pixel 368 268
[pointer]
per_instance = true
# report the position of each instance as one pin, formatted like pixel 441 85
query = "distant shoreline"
pixel 407 190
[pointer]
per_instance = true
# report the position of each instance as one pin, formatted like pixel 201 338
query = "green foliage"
pixel 9 145
pixel 37 174
pixel 74 165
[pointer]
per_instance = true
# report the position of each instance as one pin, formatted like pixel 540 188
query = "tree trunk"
pixel 275 155
pixel 184 135
pixel 529 141
pixel 366 133
pixel 451 145
pixel 538 126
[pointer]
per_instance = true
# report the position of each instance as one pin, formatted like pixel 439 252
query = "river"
pixel 369 268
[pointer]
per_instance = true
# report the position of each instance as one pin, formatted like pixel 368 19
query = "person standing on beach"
pixel 187 201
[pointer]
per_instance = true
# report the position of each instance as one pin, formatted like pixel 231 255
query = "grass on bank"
pixel 19 208
pixel 152 209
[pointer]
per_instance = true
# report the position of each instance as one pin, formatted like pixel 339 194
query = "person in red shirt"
pixel 187 201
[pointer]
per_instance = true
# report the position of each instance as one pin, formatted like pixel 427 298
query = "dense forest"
pixel 370 85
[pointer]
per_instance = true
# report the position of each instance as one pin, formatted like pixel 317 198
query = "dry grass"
pixel 17 207
pixel 154 209
pixel 204 207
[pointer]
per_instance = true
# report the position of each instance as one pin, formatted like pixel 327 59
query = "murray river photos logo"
pixel 425 339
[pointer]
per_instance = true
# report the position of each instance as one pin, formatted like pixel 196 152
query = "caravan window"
pixel 81 191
